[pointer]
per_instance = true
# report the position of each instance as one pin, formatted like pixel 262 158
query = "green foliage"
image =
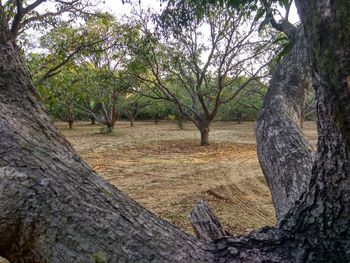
pixel 108 65
pixel 92 58
pixel 62 93
pixel 157 109
pixel 245 108
pixel 190 10
pixel 197 76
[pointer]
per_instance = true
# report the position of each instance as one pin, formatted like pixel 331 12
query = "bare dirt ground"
pixel 166 170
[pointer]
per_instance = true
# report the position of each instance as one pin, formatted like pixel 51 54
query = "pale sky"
pixel 119 9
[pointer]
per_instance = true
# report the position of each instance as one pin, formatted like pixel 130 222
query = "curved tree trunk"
pixel 54 207
pixel 285 155
pixel 326 206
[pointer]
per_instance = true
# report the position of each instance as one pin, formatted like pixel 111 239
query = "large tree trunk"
pixel 285 155
pixel 326 206
pixel 203 126
pixel 54 208
pixel 204 136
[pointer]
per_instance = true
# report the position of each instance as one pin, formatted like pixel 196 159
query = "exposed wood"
pixel 205 224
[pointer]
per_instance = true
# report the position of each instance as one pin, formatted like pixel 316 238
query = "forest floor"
pixel 164 169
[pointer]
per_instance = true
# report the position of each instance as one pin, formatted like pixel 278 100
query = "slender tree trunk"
pixel 54 208
pixel 114 117
pixel 70 114
pixel 285 156
pixel 180 119
pixel 133 109
pixel 112 123
pixel 92 120
pixel 156 119
pixel 132 120
pixel 239 117
pixel 203 126
pixel 181 123
pixel 70 124
pixel 110 117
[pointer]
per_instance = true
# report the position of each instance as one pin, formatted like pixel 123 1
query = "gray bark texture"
pixel 203 124
pixel 285 156
pixel 55 208
pixel 205 224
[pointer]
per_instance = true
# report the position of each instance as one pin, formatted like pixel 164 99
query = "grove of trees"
pixel 199 73
pixel 55 208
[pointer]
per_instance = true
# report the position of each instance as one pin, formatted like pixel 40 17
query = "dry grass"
pixel 166 170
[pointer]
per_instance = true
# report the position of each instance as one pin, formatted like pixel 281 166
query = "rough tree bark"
pixel 326 206
pixel 204 136
pixel 54 208
pixel 285 155
pixel 202 125
pixel 205 224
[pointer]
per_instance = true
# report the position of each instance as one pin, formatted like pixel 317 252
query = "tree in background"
pixel 107 61
pixel 133 104
pixel 62 93
pixel 23 15
pixel 196 74
pixel 97 65
pixel 247 104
